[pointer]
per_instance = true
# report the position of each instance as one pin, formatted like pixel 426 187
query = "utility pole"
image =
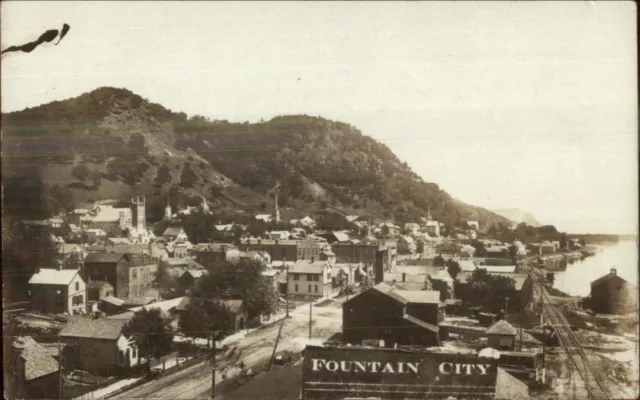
pixel 213 368
pixel 506 305
pixel 60 382
pixel 286 293
pixel 310 316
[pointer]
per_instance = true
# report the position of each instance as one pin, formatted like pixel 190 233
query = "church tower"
pixel 167 211
pixel 139 211
pixel 429 217
pixel 205 206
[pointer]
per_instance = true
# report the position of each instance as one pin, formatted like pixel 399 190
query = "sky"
pixel 503 104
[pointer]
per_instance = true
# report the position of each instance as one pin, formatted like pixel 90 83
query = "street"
pixel 253 349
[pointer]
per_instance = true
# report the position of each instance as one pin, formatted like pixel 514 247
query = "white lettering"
pixel 388 369
pixel 468 368
pixel 331 366
pixel 442 370
pixel 400 367
pixel 316 364
pixel 360 367
pixel 343 366
pixel 484 368
pixel 375 365
pixel 458 369
pixel 413 367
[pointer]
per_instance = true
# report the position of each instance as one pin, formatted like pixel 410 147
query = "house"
pixel 188 278
pixel 502 336
pixel 359 227
pixel 260 256
pixel 397 316
pixel 281 235
pixel 131 275
pixel 182 249
pixel 272 275
pixel 411 228
pixel 308 222
pixel 432 228
pixel 473 225
pixel 342 275
pixel 57 291
pixel 140 235
pixel 97 345
pixel 611 294
pixel 37 370
pixel 211 253
pixel 310 278
pixel 547 247
pixel 351 218
pixel 117 240
pixel 175 234
pixel 388 229
pixel 498 251
pixel 336 237
pixel 448 248
pixel 223 232
pixel 298 233
pixel 406 245
pixel 98 290
pixel 266 218
pixel 111 305
pixel 520 248
pixel 95 235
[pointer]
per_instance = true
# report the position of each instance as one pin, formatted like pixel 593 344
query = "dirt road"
pixel 195 382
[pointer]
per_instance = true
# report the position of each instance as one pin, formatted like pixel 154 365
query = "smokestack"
pixel 614 271
pixel 404 277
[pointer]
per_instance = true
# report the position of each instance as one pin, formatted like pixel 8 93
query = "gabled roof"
pixel 113 300
pixel 119 240
pixel 340 236
pixel 308 267
pixel 38 361
pixel 502 327
pixel 408 296
pixel 103 258
pixel 195 273
pixel 53 277
pixel 172 231
pixel 95 328
pixel 98 285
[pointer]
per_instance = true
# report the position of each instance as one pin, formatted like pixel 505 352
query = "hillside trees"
pixel 207 319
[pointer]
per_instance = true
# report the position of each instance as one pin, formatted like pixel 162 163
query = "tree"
pixel 188 178
pixel 73 260
pixel 206 318
pixel 242 280
pixel 167 284
pixel 163 176
pixel 81 172
pixel 453 268
pixel 136 142
pixel 149 332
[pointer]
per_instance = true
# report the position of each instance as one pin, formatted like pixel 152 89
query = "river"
pixel 576 280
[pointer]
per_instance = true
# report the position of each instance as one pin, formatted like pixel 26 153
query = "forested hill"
pixel 111 143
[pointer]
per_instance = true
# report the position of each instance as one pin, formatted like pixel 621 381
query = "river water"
pixel 576 280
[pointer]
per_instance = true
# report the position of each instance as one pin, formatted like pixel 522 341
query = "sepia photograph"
pixel 320 200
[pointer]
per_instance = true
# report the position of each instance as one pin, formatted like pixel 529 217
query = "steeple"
pixel 205 206
pixel 167 210
pixel 429 217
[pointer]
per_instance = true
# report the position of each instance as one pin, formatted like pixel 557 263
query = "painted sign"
pixel 337 373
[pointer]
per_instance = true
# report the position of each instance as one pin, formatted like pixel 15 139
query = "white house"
pixel 58 291
pixel 310 278
pixel 175 234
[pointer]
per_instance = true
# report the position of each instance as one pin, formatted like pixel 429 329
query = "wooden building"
pixel 397 316
pixel 131 275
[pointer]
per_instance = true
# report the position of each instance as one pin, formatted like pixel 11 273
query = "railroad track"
pixel 593 386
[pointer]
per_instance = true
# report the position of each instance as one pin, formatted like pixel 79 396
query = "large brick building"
pixel 131 275
pixel 291 250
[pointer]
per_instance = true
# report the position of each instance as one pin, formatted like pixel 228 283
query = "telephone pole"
pixel 213 368
pixel 310 316
pixel 286 293
pixel 60 382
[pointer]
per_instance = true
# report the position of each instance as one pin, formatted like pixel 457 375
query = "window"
pixel 109 294
pixel 134 273
pixel 309 289
pixel 505 342
pixel 296 289
pixel 77 300
pixel 316 288
pixel 309 277
pixel 77 286
pixel 295 277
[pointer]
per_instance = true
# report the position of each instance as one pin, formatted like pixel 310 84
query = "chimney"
pixel 404 277
pixel 614 271
pixel 313 258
